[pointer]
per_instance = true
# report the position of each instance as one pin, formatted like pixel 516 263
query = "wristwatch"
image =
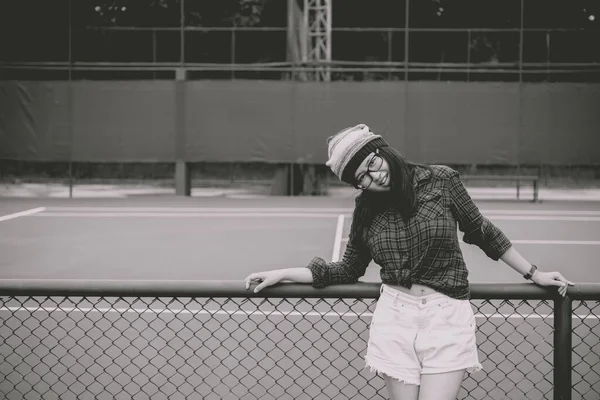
pixel 531 271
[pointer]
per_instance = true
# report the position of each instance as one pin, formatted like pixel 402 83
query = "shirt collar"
pixel 420 175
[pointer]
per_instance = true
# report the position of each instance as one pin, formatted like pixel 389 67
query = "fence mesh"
pixel 248 348
pixel 586 349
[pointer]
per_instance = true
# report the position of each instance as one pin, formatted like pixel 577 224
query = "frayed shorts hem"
pixel 392 374
pixel 472 368
pixel 417 381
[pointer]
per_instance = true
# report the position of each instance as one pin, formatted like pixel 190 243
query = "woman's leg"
pixel 448 348
pixel 443 386
pixel 399 390
pixel 391 351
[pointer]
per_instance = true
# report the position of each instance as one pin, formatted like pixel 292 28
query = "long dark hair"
pixel 401 196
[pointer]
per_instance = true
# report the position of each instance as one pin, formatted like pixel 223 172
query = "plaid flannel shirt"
pixel 426 249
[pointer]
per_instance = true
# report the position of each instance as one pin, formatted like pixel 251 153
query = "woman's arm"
pixel 319 272
pixel 516 261
pixel 477 229
pixel 268 278
pixel 481 232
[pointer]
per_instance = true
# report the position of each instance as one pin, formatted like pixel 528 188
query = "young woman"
pixel 422 333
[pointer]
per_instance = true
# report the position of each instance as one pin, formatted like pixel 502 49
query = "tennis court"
pixel 254 348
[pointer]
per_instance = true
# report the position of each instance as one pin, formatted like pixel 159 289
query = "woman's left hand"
pixel 552 279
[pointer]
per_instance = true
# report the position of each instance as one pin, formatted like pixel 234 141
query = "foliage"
pixel 168 12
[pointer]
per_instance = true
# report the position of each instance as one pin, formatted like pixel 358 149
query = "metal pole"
pixel 70 40
pixel 305 33
pixel 545 158
pixel 291 181
pixel 154 52
pixel 406 81
pixel 469 55
pixel 217 288
pixel 70 101
pixel 521 42
pixel 182 168
pixel 520 87
pixel 232 53
pixel 389 50
pixel 406 25
pixel 328 33
pixel 291 35
pixel 182 172
pixel 548 54
pixel 563 325
pixel 182 34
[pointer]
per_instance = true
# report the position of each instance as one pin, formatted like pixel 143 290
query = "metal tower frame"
pixel 316 43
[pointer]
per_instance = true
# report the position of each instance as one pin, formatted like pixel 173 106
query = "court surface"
pixel 167 238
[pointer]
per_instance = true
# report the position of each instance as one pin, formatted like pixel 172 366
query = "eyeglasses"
pixel 365 179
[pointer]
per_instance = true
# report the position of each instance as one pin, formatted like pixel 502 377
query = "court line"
pixel 204 209
pixel 272 213
pixel 541 212
pixel 184 215
pixel 107 310
pixel 337 242
pixel 541 218
pixel 22 213
pixel 560 242
pixel 300 210
pixel 573 242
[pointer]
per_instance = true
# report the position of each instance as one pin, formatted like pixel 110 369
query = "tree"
pixel 160 13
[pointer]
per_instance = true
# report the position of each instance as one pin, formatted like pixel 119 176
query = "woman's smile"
pixel 383 181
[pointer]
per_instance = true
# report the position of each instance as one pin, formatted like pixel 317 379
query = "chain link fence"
pixel 586 350
pixel 273 347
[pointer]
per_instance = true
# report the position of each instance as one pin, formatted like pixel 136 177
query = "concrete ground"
pixel 70 348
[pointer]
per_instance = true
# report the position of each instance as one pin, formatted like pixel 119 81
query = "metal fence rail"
pixel 409 53
pixel 340 71
pixel 215 340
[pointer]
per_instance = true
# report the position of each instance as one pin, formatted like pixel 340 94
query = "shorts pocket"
pixel 457 313
pixel 383 315
pixel 388 318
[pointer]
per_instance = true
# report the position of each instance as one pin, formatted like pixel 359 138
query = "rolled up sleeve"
pixel 477 229
pixel 352 266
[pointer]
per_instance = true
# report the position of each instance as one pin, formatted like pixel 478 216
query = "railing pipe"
pixel 176 288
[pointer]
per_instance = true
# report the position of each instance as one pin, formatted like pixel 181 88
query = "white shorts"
pixel 414 335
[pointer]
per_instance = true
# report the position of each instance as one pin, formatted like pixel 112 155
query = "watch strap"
pixel 529 274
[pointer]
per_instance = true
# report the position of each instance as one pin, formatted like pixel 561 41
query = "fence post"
pixel 563 325
pixel 183 179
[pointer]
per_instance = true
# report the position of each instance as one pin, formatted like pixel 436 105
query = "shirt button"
pixel 423 301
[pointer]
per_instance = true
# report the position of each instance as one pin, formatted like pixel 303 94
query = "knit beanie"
pixel 349 147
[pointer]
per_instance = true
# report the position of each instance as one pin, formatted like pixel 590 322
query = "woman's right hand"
pixel 266 278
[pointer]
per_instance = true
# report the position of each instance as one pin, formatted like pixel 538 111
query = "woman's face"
pixel 373 174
